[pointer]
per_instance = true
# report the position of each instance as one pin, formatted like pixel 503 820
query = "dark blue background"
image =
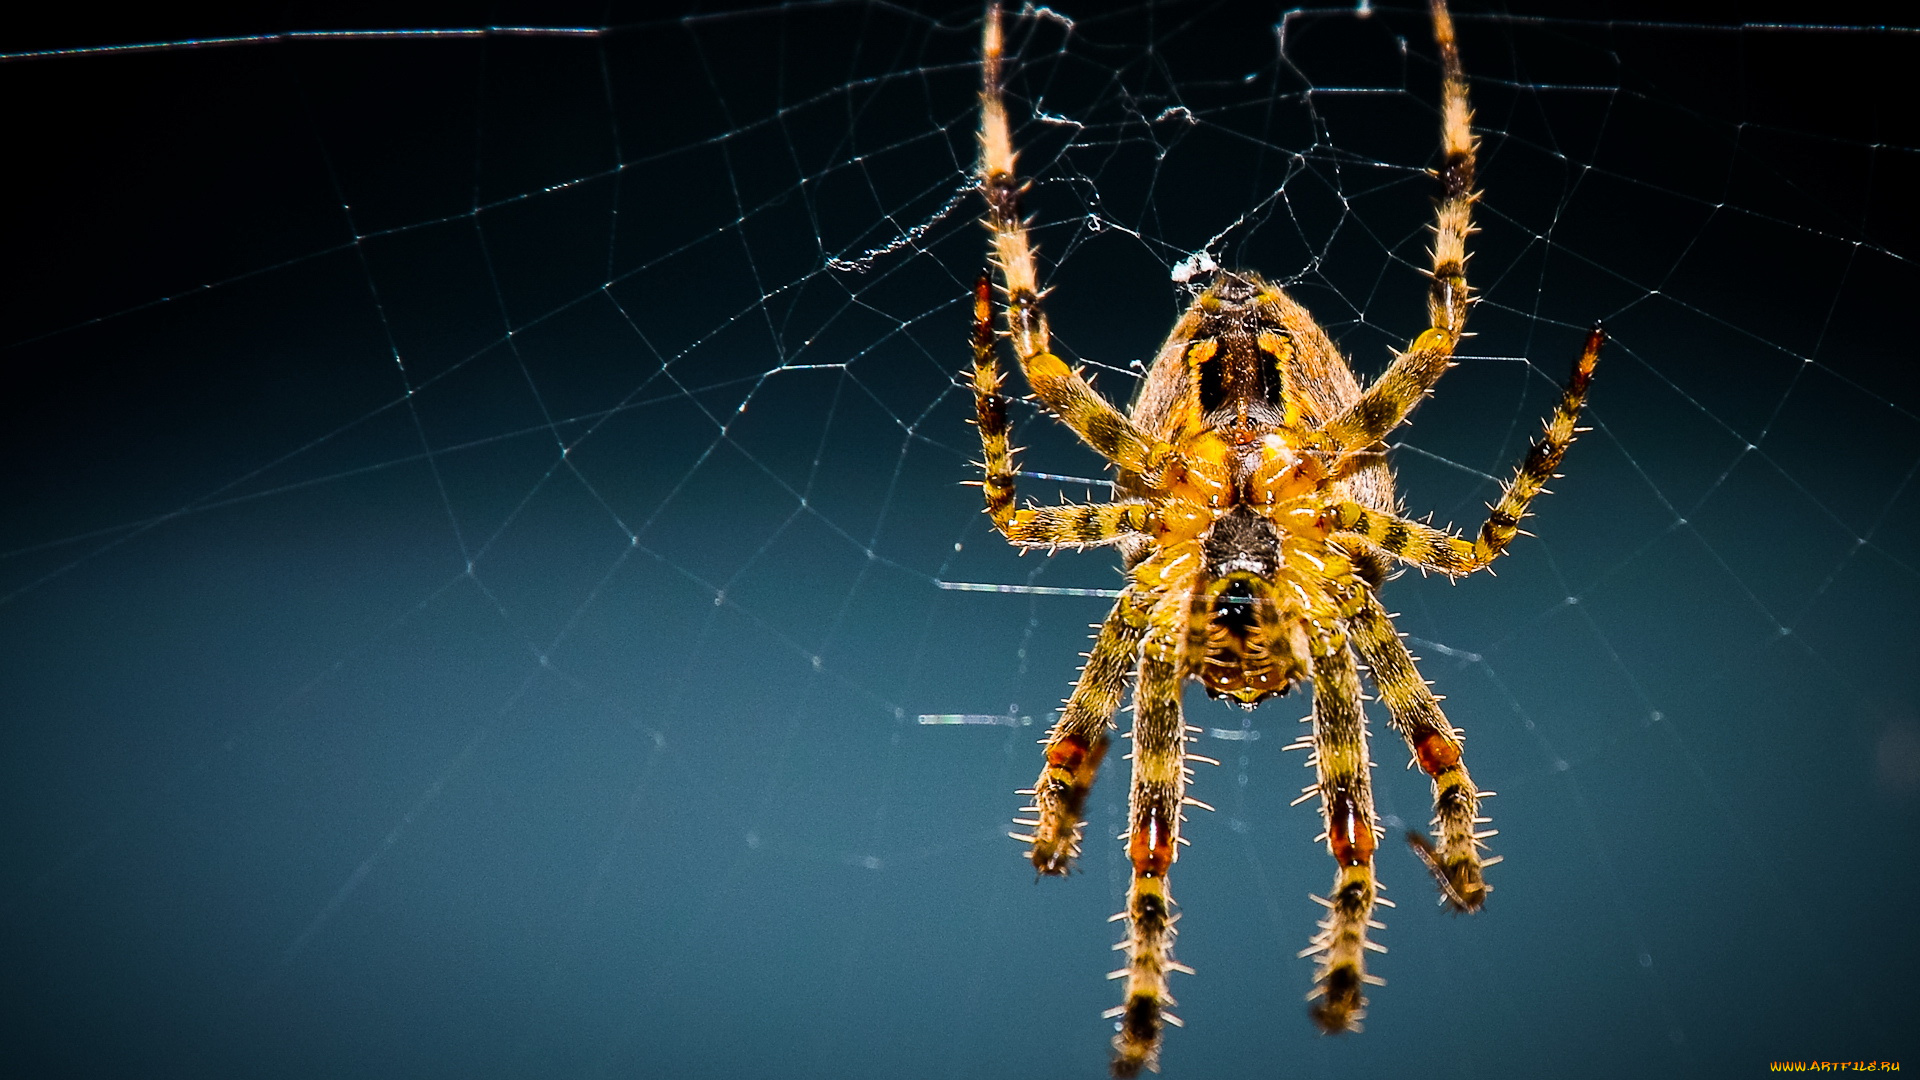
pixel 475 511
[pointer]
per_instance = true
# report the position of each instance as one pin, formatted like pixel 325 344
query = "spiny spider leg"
pixel 1064 390
pixel 1076 525
pixel 1435 549
pixel 1385 404
pixel 1456 863
pixel 1079 740
pixel 1346 806
pixel 1153 834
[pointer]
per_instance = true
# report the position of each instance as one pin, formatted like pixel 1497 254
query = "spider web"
pixel 487 590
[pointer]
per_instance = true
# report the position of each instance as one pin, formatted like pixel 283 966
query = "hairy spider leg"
pixel 1436 549
pixel 1447 296
pixel 1075 525
pixel 1456 861
pixel 1385 404
pixel 1346 806
pixel 990 412
pixel 1154 816
pixel 1079 740
pixel 1063 390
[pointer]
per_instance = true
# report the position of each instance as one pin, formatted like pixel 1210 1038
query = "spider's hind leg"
pixel 1062 389
pixel 1385 404
pixel 1079 524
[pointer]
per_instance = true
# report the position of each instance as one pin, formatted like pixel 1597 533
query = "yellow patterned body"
pixel 1258 519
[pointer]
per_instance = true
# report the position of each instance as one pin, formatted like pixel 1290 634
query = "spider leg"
pixel 1456 863
pixel 1346 804
pixel 1064 390
pixel 1079 524
pixel 1153 835
pixel 1447 296
pixel 1435 549
pixel 1543 457
pixel 1386 403
pixel 1079 740
pixel 990 411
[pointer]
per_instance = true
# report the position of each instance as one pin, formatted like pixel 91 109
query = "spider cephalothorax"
pixel 1257 516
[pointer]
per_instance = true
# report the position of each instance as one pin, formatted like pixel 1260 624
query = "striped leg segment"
pixel 1542 458
pixel 1346 804
pixel 1409 541
pixel 1455 860
pixel 1435 549
pixel 1045 526
pixel 1159 792
pixel 1078 524
pixel 990 411
pixel 1079 741
pixel 1386 403
pixel 1013 252
pixel 1062 389
pixel 1447 296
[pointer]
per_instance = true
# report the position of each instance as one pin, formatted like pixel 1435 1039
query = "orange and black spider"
pixel 1257 517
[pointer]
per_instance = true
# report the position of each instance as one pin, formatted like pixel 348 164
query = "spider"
pixel 1257 518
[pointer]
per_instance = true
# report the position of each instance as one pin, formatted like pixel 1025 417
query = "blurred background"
pixel 486 588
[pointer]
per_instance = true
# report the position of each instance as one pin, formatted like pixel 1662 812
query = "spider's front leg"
pixel 1455 862
pixel 1346 806
pixel 1153 837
